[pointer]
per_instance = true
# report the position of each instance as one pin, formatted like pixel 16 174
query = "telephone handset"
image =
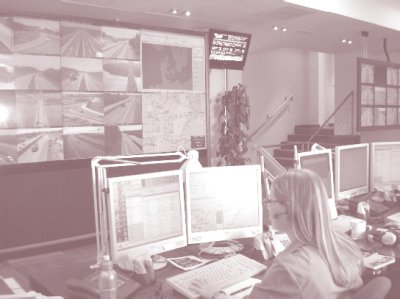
pixel 271 243
pixel 88 287
pixel 279 242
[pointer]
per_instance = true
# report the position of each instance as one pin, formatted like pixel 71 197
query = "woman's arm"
pixel 277 283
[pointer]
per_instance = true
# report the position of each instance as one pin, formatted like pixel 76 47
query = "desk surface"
pixel 48 272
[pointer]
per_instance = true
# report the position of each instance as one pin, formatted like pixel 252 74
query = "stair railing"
pixel 270 167
pixel 269 119
pixel 349 96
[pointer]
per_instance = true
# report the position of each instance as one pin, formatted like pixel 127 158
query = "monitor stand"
pixel 221 247
pixel 158 262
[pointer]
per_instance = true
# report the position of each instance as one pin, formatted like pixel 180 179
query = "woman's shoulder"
pixel 300 258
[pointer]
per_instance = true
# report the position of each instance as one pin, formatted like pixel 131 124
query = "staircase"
pixel 302 133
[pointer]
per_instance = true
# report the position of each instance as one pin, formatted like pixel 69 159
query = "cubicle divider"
pixel 49 205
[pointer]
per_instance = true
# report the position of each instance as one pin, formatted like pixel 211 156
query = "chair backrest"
pixel 376 288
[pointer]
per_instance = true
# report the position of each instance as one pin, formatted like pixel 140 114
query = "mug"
pixel 358 228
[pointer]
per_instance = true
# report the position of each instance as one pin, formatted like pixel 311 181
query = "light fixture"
pixel 174 11
pixel 276 28
pixel 347 41
pixel 187 13
pixel 344 41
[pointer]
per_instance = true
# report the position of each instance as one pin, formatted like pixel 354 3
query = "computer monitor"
pixel 146 214
pixel 385 166
pixel 320 162
pixel 223 203
pixel 351 170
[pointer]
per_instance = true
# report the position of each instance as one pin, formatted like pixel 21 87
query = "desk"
pixel 48 272
pixel 392 271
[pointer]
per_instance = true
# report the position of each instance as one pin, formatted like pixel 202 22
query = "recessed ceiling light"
pixel 284 29
pixel 275 28
pixel 347 41
pixel 187 13
pixel 174 11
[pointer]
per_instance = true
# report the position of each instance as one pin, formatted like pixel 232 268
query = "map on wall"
pixel 174 98
pixel 181 125
pixel 166 67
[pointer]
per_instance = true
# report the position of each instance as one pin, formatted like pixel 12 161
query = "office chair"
pixel 376 288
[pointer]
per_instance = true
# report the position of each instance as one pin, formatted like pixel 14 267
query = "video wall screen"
pixel 72 90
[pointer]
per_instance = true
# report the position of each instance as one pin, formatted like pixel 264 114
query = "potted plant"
pixel 233 126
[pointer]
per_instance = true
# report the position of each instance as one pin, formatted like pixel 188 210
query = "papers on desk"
pixel 188 262
pixel 29 295
pixel 239 290
pixel 376 261
pixel 19 293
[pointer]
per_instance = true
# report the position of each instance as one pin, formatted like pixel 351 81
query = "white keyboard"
pixel 219 275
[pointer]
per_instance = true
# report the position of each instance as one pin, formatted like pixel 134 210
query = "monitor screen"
pixel 320 162
pixel 228 50
pixel 223 203
pixel 385 165
pixel 351 170
pixel 146 214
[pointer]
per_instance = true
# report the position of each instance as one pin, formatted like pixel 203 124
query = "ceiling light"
pixel 275 28
pixel 347 41
pixel 174 11
pixel 284 29
pixel 187 13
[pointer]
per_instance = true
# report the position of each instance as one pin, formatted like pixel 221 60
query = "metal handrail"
pixel 269 165
pixel 350 95
pixel 270 118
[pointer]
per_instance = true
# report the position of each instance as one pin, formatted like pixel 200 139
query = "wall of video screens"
pixel 74 90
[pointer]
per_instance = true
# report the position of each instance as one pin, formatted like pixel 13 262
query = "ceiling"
pixel 307 29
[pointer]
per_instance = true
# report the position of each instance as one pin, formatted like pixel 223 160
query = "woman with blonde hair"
pixel 319 263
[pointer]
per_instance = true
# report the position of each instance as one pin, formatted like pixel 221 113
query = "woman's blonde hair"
pixel 307 202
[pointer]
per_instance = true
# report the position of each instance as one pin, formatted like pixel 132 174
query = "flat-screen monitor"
pixel 223 203
pixel 351 170
pixel 385 165
pixel 146 214
pixel 228 50
pixel 320 161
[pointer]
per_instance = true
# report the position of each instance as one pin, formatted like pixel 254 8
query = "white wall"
pixel 326 86
pixel 270 77
pixel 313 88
pixel 321 87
